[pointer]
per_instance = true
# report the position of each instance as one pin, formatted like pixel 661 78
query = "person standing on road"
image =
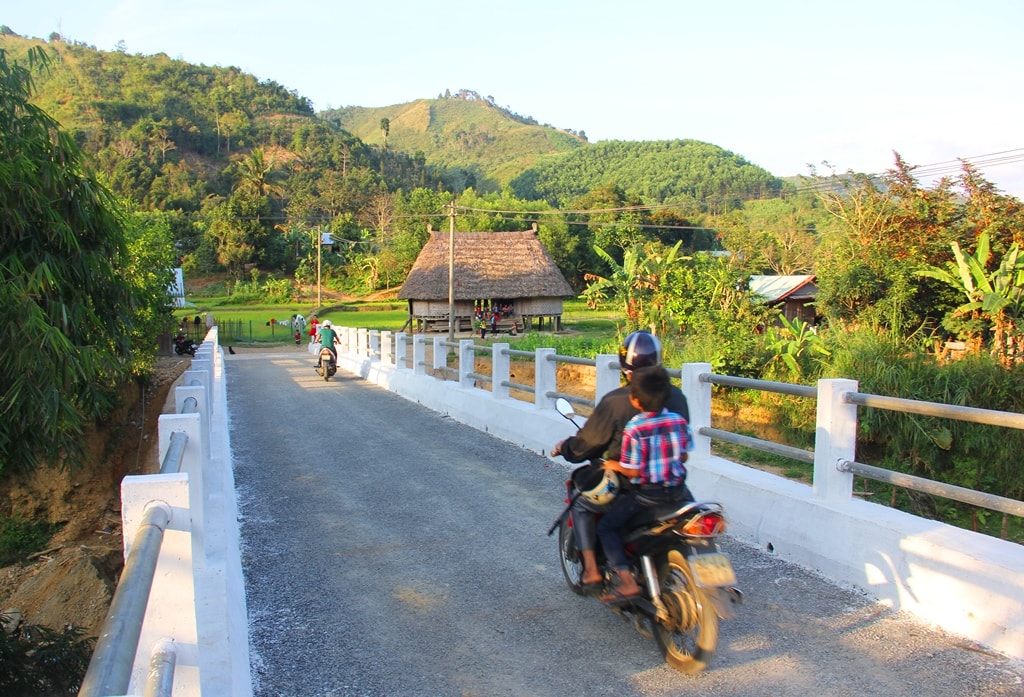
pixel 601 436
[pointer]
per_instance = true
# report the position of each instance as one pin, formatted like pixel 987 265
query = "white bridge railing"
pixel 177 622
pixel 964 582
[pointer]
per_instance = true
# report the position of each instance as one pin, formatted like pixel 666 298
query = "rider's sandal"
pixel 616 597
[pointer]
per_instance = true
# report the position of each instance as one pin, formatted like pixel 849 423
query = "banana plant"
pixel 793 343
pixel 997 296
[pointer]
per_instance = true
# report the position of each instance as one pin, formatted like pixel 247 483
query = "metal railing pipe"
pixel 758 444
pixel 929 486
pixel 110 669
pixel 175 454
pixel 160 682
pixel 949 411
pixel 762 385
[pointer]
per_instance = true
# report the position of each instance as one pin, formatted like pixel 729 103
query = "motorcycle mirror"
pixel 565 408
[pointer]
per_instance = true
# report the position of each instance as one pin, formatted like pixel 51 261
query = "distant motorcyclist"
pixel 327 338
pixel 601 436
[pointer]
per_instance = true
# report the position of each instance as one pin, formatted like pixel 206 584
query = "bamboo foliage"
pixel 67 308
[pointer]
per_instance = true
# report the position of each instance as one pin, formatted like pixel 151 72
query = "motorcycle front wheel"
pixel 689 637
pixel 569 556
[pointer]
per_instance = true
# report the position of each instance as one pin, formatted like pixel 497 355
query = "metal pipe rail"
pixel 762 385
pixel 929 486
pixel 911 406
pixel 572 360
pixel 179 440
pixel 161 670
pixel 110 669
pixel 175 453
pixel 759 444
pixel 948 411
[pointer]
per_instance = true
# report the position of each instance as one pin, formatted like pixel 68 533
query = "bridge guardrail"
pixel 957 579
pixel 181 587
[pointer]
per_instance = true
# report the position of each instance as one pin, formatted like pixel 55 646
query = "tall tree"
pixel 67 310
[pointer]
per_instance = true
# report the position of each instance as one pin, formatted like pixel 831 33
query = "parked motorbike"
pixel 326 365
pixel 687 582
pixel 183 345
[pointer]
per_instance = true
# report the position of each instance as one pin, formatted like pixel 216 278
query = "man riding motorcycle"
pixel 601 435
pixel 327 338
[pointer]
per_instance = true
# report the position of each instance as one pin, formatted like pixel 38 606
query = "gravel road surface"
pixel 390 552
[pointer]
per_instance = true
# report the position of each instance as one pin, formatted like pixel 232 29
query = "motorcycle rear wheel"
pixel 689 638
pixel 569 556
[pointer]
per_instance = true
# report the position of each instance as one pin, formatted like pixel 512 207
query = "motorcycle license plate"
pixel 713 569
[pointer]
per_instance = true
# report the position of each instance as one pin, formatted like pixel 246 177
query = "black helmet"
pixel 641 349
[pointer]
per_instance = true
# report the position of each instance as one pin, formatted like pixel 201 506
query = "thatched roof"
pixel 507 265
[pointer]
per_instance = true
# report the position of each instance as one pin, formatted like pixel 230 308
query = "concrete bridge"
pixel 946 578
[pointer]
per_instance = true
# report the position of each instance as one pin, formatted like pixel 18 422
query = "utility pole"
pixel 319 246
pixel 451 271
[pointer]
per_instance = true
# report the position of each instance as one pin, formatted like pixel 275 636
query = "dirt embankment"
pixel 72 582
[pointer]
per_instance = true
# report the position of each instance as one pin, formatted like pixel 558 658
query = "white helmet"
pixel 327 323
pixel 598 487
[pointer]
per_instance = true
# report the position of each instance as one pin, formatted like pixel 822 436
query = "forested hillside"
pixel 656 171
pixel 468 135
pixel 242 171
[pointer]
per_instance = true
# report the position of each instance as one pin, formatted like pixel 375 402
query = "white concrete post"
pixel 349 341
pixel 385 348
pixel 608 377
pixel 201 395
pixel 362 342
pixel 200 378
pixel 501 369
pixel 193 464
pixel 545 378
pixel 373 338
pixel 171 610
pixel 204 366
pixel 440 352
pixel 401 349
pixel 835 440
pixel 419 354
pixel 698 399
pixel 467 363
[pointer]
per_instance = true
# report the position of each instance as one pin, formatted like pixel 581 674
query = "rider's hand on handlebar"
pixel 557 450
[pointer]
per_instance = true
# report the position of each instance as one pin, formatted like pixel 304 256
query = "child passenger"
pixel 654 447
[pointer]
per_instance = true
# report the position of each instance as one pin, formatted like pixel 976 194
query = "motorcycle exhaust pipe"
pixel 651 576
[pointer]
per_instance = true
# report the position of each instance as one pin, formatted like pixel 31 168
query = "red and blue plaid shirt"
pixel 653 448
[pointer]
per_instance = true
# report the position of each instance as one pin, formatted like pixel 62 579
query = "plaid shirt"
pixel 653 446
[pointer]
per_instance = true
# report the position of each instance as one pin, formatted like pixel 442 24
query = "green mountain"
pixel 495 147
pixel 460 132
pixel 168 134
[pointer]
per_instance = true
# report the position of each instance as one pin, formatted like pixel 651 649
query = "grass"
pixel 251 323
pixel 20 538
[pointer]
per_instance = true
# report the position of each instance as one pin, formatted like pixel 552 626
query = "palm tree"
pixel 258 175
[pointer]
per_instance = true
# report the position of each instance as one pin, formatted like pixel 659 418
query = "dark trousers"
pixel 622 509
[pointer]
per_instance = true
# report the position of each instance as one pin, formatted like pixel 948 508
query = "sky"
pixel 788 85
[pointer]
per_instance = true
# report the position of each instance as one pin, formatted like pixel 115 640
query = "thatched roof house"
pixel 492 269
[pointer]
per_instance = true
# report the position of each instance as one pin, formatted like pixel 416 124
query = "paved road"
pixel 389 551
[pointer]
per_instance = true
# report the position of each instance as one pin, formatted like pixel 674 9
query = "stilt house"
pixel 507 272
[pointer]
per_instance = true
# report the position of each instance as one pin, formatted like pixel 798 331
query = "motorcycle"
pixel 326 366
pixel 687 582
pixel 183 345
